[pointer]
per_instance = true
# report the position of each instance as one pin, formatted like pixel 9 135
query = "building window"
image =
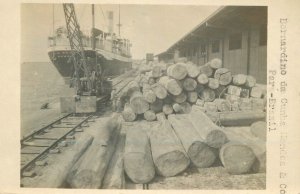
pixel 235 41
pixel 263 35
pixel 215 46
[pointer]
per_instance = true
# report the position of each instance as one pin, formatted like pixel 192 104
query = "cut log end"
pixel 139 175
pixel 216 138
pixel 201 155
pixel 237 158
pixel 179 163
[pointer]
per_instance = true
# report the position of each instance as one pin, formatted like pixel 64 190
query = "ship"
pixel 106 49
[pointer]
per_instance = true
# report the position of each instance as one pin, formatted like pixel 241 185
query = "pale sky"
pixel 150 28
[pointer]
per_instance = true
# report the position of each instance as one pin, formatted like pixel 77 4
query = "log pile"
pixel 175 87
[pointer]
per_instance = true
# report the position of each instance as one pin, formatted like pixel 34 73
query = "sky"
pixel 150 28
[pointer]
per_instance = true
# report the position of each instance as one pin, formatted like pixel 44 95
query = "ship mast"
pixel 93 28
pixel 119 24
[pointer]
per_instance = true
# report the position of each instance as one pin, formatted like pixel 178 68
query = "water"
pixel 40 83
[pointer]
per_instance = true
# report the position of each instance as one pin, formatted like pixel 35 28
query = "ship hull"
pixel 111 63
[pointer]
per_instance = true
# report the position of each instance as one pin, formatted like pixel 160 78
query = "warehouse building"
pixel 235 34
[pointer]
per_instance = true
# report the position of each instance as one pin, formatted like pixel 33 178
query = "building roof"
pixel 225 18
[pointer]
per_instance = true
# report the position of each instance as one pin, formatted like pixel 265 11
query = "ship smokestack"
pixel 110 16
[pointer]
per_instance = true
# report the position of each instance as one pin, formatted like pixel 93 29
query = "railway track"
pixel 39 143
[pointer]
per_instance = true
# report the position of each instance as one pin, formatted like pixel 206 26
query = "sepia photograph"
pixel 147 97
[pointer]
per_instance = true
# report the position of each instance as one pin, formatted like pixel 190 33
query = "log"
pixel 245 93
pixel 206 69
pixel 186 107
pixel 259 129
pixel 180 98
pixel 149 96
pixel 239 118
pixel 215 63
pixel 150 115
pixel 200 102
pixel 156 71
pixel 258 104
pixel 189 84
pixel 55 174
pixel 202 79
pixel 209 132
pixel 192 70
pixel 177 108
pixel 89 171
pixel 156 106
pixel 129 89
pixel 256 92
pixel 224 76
pixel 114 177
pixel 167 109
pixel 168 154
pixel 213 83
pixel 168 100
pixel 250 81
pixel 128 114
pixel 234 90
pixel 232 98
pixel 245 104
pixel 151 80
pixel 138 161
pixel 208 95
pixel 201 155
pixel 171 85
pixel 138 103
pixel 239 79
pixel 258 146
pixel 159 91
pixel 222 105
pixel 192 97
pixel 177 71
pixel 237 158
pixel 210 107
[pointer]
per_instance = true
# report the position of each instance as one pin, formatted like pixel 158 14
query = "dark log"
pixel 138 161
pixel 89 171
pixel 189 84
pixel 180 98
pixel 208 95
pixel 192 97
pixel 206 69
pixel 157 106
pixel 239 118
pixel 168 154
pixel 237 158
pixel 114 177
pixel 200 154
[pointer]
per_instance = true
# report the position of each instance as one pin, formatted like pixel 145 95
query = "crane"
pixel 82 72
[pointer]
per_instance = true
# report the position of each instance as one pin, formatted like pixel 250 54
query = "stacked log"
pixel 179 85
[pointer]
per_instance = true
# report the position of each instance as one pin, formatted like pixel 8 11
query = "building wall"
pixel 236 60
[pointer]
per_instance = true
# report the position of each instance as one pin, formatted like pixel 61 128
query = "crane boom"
pixel 81 69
